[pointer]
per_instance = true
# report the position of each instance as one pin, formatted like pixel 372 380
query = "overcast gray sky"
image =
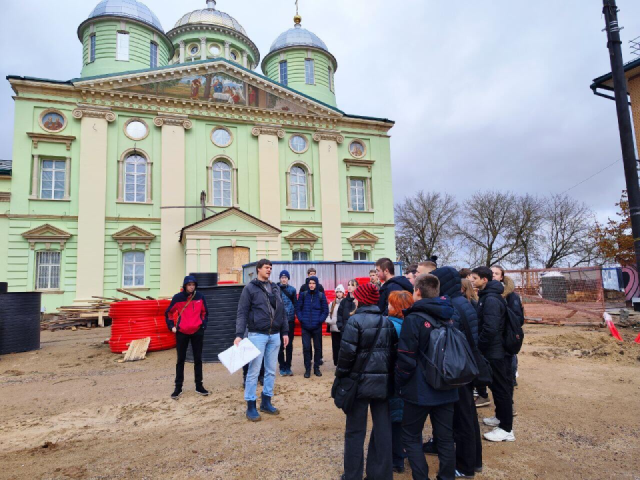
pixel 486 95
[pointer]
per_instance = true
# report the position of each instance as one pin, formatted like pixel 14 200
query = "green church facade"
pixel 139 172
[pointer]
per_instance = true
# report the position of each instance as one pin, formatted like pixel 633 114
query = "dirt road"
pixel 70 410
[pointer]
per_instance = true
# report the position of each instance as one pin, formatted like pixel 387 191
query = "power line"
pixel 589 178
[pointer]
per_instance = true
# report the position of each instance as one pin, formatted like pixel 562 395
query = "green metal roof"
pixel 199 62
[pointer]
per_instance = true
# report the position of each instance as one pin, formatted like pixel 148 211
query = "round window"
pixel 221 137
pixel 193 49
pixel 357 149
pixel 136 130
pixel 214 49
pixel 298 143
pixel 234 56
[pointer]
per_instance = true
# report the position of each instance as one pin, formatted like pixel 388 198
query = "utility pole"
pixel 614 44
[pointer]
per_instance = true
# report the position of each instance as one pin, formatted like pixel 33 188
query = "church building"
pixel 186 151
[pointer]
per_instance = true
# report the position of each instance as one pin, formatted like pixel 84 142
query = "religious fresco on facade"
pixel 217 88
pixel 53 121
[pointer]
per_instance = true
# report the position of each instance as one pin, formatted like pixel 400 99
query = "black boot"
pixel 201 390
pixel 317 372
pixel 177 392
pixel 307 373
pixel 266 407
pixel 252 413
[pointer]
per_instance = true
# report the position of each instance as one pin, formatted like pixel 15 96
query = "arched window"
pixel 135 179
pixel 221 184
pixel 298 188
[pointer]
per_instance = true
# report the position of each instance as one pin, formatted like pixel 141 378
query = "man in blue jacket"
pixel 289 298
pixel 420 399
pixel 312 310
pixel 261 312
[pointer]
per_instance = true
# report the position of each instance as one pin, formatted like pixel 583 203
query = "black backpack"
pixel 513 334
pixel 449 359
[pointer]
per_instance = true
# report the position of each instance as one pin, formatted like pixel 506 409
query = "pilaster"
pixel 172 220
pixel 269 174
pixel 203 48
pixel 330 193
pixel 92 189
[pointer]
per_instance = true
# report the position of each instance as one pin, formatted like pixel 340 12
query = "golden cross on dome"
pixel 297 19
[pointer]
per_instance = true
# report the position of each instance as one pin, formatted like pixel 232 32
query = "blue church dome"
pixel 297 36
pixel 128 9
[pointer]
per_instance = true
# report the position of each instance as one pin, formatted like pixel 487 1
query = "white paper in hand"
pixel 234 358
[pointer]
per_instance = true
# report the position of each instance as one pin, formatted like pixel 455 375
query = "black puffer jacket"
pixel 451 286
pixel 491 312
pixel 392 285
pixel 357 340
pixel 344 311
pixel 419 322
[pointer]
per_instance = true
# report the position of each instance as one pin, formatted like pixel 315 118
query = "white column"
pixel 35 172
pixel 92 191
pixel 203 48
pixel 330 194
pixel 67 177
pixel 269 174
pixel 244 59
pixel 172 220
pixel 227 50
pixel 182 52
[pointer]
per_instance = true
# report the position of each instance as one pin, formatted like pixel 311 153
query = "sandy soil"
pixel 70 410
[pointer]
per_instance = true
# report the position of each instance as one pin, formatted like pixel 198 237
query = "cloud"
pixel 488 95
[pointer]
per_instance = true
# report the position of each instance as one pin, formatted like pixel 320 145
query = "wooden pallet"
pixel 137 350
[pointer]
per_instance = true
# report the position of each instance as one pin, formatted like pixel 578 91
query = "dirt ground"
pixel 70 410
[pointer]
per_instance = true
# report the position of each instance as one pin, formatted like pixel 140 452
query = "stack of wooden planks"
pixel 83 317
pixel 78 316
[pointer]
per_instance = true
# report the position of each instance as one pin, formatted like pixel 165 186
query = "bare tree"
pixel 425 226
pixel 528 218
pixel 496 226
pixel 566 233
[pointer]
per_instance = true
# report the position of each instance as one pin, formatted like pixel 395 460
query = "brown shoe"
pixel 482 402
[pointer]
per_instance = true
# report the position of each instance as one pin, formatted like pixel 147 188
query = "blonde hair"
pixel 468 290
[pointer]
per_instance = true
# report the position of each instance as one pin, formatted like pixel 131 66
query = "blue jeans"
pixel 269 346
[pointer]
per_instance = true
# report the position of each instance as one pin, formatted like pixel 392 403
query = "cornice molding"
pixel 133 235
pixel 173 120
pixel 363 238
pixel 46 234
pixel 333 136
pixel 302 238
pixel 275 130
pixel 359 162
pixel 50 138
pixel 94 112
pixel 219 29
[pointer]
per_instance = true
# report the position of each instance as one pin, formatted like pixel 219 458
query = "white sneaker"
pixel 492 421
pixel 499 435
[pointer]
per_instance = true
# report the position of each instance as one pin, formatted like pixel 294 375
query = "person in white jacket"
pixel 332 323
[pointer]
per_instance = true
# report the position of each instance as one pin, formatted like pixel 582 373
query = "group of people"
pixel 380 333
